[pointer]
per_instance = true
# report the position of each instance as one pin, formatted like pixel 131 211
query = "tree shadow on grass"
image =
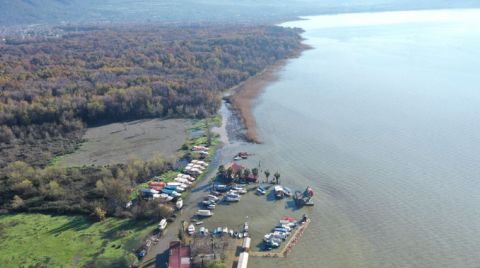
pixel 75 224
pixel 126 226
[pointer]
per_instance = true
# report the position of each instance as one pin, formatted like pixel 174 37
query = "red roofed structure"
pixel 179 255
pixel 236 168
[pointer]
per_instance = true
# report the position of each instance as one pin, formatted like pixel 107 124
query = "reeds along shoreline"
pixel 244 95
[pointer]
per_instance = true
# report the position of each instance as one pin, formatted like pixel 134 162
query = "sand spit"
pixel 244 95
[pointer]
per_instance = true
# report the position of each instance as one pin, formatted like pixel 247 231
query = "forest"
pixel 52 89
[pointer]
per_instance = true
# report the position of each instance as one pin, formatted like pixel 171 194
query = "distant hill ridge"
pixel 15 12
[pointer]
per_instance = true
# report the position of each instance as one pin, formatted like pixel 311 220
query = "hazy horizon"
pixel 21 12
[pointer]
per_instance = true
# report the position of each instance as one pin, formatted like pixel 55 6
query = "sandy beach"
pixel 244 95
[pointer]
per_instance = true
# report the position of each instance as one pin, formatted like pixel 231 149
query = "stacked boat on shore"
pixel 279 233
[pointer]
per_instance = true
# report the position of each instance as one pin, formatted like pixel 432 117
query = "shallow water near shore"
pixel 381 118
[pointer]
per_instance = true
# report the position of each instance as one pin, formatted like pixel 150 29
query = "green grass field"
pixel 37 240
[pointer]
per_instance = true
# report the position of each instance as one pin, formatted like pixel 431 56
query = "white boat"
pixel 208 202
pixel 183 181
pixel 203 163
pixel 273 243
pixel 245 226
pixel 162 225
pixel 221 187
pixel 178 184
pixel 199 223
pixel 276 235
pixel 232 198
pixel 279 193
pixel 179 203
pixel 211 207
pixel 204 213
pixel 286 227
pixel 261 190
pixel 240 190
pixel 191 229
pixel 212 197
pixel 288 223
pixel 231 232
pixel 225 230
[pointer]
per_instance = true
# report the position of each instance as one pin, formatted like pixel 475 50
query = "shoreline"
pixel 242 96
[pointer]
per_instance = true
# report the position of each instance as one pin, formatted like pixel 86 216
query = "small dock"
pixel 288 247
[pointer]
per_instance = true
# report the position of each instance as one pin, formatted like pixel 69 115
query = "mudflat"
pixel 114 143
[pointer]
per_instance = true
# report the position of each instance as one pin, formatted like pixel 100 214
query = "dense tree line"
pixel 92 190
pixel 51 89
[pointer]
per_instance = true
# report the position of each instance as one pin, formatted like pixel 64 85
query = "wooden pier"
pixel 288 247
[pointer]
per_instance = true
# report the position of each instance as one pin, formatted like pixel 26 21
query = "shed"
pixel 243 260
pixel 179 256
pixel 246 243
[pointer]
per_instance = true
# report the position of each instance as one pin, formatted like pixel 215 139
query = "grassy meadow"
pixel 37 240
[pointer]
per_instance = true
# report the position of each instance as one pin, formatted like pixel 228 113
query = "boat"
pixel 166 197
pixel 202 230
pixel 278 190
pixel 288 223
pixel 212 197
pixel 273 243
pixel 199 223
pixel 207 202
pixel 171 192
pixel 309 203
pixel 204 213
pixel 245 234
pixel 221 187
pixel 175 188
pixel 225 230
pixel 179 203
pixel 284 226
pixel 235 234
pixel 231 197
pixel 215 193
pixel 211 207
pixel 239 189
pixel 191 229
pixel 149 191
pixel 290 219
pixel 183 181
pixel 231 233
pixel 281 230
pixel 156 183
pixel 240 235
pixel 178 184
pixel 305 198
pixel 287 191
pixel 277 235
pixel 236 158
pixel 261 190
pixel 163 224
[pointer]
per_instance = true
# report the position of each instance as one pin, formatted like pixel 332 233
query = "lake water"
pixel 382 119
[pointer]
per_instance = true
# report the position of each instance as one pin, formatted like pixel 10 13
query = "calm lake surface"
pixel 382 119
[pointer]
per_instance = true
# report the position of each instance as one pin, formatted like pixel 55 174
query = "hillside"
pixel 13 12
